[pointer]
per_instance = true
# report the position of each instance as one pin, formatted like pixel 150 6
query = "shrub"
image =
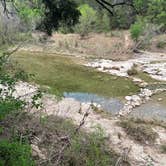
pixel 136 30
pixel 132 71
pixel 90 150
pixel 163 148
pixel 161 44
pixel 15 154
pixel 85 149
pixel 87 20
pixel 8 106
pixel 92 21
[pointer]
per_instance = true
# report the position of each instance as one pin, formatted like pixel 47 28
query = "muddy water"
pixel 112 105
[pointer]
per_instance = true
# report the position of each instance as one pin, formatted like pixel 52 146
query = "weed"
pixel 161 44
pixel 1 130
pixel 150 122
pixel 8 106
pixel 145 77
pixel 86 149
pixel 163 148
pixel 132 71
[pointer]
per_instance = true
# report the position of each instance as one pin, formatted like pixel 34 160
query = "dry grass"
pixel 150 122
pixel 117 46
pixel 50 135
pixel 158 44
pixel 139 131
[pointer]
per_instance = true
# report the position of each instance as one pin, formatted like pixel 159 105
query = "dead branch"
pixel 110 6
pixel 67 139
pixel 82 121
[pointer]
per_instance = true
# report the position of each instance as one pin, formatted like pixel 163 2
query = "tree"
pixel 109 6
pixel 54 13
pixel 57 12
pixel 157 13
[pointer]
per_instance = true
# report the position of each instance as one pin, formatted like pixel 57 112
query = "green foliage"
pixel 15 154
pixel 157 12
pixel 132 71
pixel 92 21
pixel 9 105
pixel 103 22
pixel 123 17
pixel 141 6
pixel 161 44
pixel 90 150
pixel 58 13
pixel 9 75
pixel 163 148
pixel 85 149
pixel 136 30
pixel 87 21
pixel 29 13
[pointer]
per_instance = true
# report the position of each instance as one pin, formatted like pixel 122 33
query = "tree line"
pixel 108 14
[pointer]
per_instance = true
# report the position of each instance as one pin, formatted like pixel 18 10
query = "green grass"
pixel 63 74
pixel 146 77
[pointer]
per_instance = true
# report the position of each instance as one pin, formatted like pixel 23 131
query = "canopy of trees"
pixel 49 15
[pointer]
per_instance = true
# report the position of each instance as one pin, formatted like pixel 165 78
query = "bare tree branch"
pixel 110 6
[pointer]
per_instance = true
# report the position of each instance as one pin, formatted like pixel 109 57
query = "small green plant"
pixel 161 44
pixel 90 150
pixel 163 148
pixel 132 71
pixel 1 130
pixel 15 154
pixel 9 105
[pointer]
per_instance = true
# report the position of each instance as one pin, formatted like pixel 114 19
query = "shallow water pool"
pixel 154 109
pixel 112 105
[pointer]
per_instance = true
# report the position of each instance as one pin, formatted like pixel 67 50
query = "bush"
pixel 85 149
pixel 136 30
pixel 161 44
pixel 87 20
pixel 15 154
pixel 8 106
pixel 132 71
pixel 157 13
pixel 90 150
pixel 163 148
pixel 92 21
